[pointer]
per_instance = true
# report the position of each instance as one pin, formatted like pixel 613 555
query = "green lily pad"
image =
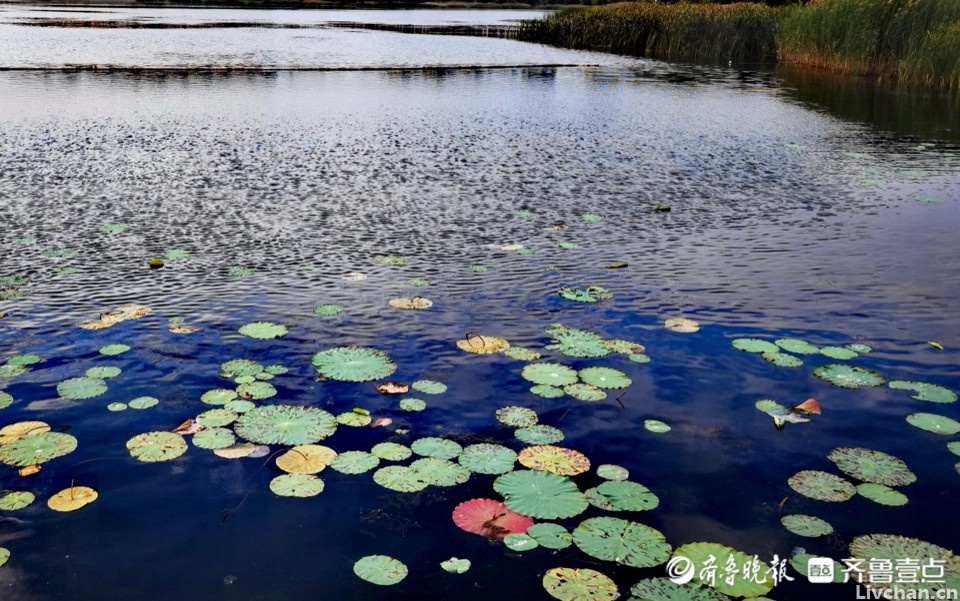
pixel 59 253
pixel 664 589
pixel 893 548
pixel 296 485
pixel 218 396
pixel 400 478
pixel 440 472
pixel 4 556
pixel 239 271
pixel 882 494
pixel 81 388
pixel 143 402
pixel 256 390
pixel 872 466
pixel 113 228
pixel 567 245
pixel 214 438
pixel 420 282
pixel 5 400
pixel 516 541
pixel 477 268
pixel 623 495
pixel 754 345
pixel 954 447
pixel 215 418
pixel 925 391
pixel 571 584
pixel 391 451
pixel 550 535
pixel 821 486
pixel 173 254
pixel 101 373
pixel 860 349
pixel 938 424
pixel 575 342
pixel 263 330
pixel 37 448
pixel 429 386
pixel 10 371
pixel 609 471
pixel 782 359
pixel 553 374
pixel 151 447
pixel 353 364
pixel 656 426
pixel 275 370
pixel 622 541
pixel 380 569
pixel 797 346
pixel 779 412
pixel 27 359
pixel 539 434
pixel 848 376
pixel 591 217
pixel 604 377
pixel 26 240
pixel 455 565
pixel 741 584
pixel 116 406
pixel 285 424
pixel 623 347
pixel 547 391
pixel 15 500
pixel 240 367
pixel 597 500
pixel 485 458
pixel 585 392
pixel 639 358
pixel 114 349
pixel 521 354
pixel 239 406
pixel 436 447
pixel 838 352
pixel 410 404
pixel 328 310
pixel 354 419
pixel 354 462
pixel 540 494
pixel 389 260
pixel 518 417
pixel 806 525
pixel 590 294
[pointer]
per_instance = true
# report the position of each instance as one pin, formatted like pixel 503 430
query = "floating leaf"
pixel 118 315
pixel 214 438
pixel 872 466
pixel 390 387
pixel 156 446
pixel 664 589
pixel 18 430
pixel 239 406
pixel 780 413
pixel 608 471
pixel 558 460
pixel 354 462
pixel 925 391
pixel 436 447
pixel 539 434
pixel 455 565
pixel 72 499
pixel 239 271
pixel 416 302
pixel 10 371
pixel 412 404
pixel 15 500
pixel 797 346
pixel 754 345
pixel 550 536
pixel 380 569
pixel 256 390
pixel 859 348
pixel 218 396
pixel 116 406
pixel 440 472
pixel 628 496
pixel 575 342
pixel 236 451
pixel 553 374
pixel 519 542
pixel 389 259
pixel 173 254
pixel 837 352
pixel 485 458
pixel 399 478
pixel 782 359
pixel 215 418
pixel 353 364
pixel 81 388
pixel 604 377
pixel 477 268
pixel 848 376
pixel 240 367
pixel 585 392
pixel 285 424
pixel 429 386
pixel 739 584
pixel 656 426
pixel 624 347
pixel 938 424
pixel 482 345
pixel 821 486
pixel 953 447
pixel 622 541
pixel 328 310
pixel 591 217
pixel 521 354
pixel 113 228
pixel 5 400
pixel 570 584
pixel 489 518
pixel 419 282
pixel 540 494
pixel 263 330
pixel 873 548
pixel 37 448
pixel 884 495
pixel 296 485
pixel 567 245
pixel 806 525
pixel 114 349
pixel 682 325
pixel 354 419
pixel 517 417
pixel 590 294
pixel 106 371
pixel 639 358
pixel 28 359
pixel 547 391
pixel 391 451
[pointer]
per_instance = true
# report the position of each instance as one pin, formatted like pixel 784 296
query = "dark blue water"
pixel 785 222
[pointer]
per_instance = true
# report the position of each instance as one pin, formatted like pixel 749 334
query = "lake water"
pixel 282 176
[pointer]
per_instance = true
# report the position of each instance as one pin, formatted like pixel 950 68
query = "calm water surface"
pixel 785 222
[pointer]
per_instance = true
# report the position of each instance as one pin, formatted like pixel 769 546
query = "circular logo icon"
pixel 680 570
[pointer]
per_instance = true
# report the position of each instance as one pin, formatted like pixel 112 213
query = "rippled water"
pixel 785 221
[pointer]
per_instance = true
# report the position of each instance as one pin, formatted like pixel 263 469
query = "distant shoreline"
pixel 294 4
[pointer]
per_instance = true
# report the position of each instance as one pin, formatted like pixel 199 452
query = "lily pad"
pixel 590 294
pixel 354 462
pixel 113 228
pixel 240 367
pixel 639 358
pixel 742 584
pixel 72 499
pixel 884 495
pixel 173 254
pixel 558 460
pixel 353 364
pixel 354 419
pixel 925 391
pixel 520 542
pixel 399 478
pixel 151 447
pixel 682 325
pixel 521 354
pixel 120 314
pixel 410 404
pixel 442 448
pixel 285 424
pixel 609 471
pixel 240 271
pixel 239 406
pixel 478 268
pixel 455 565
pixel 263 330
pixel 780 413
pixel 578 343
pixel 859 348
pixel 5 400
pixel 256 390
pixel 754 345
pixel 553 374
pixel 215 418
pixel 106 371
pixel 539 494
pixel 390 260
pixel 821 486
pixel 37 448
pixel 604 377
pixel 391 451
pixel 380 569
pixel 81 388
pixel 116 406
pixel 872 466
pixel 429 386
pixel 782 359
pixel 114 349
pixel 440 472
pixel 806 525
pixel 539 434
pixel 296 485
pixel 550 535
pixel 489 518
pixel 15 500
pixel 797 346
pixel 482 345
pixel 954 447
pixel 622 541
pixel 214 438
pixel 838 352
pixel 10 371
pixel 624 347
pixel 656 426
pixel 18 430
pixel 486 458
pixel 571 584
pixel 518 417
pixel 27 359
pixel 848 376
pixel 567 245
pixel 585 392
pixel 664 589
pixel 938 424
pixel 628 496
pixel 218 396
pixel 547 391
pixel 873 547
pixel 416 302
pixel 328 310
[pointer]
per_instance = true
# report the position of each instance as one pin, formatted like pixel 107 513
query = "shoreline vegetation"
pixel 911 42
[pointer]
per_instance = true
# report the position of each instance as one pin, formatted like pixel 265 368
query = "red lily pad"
pixel 489 518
